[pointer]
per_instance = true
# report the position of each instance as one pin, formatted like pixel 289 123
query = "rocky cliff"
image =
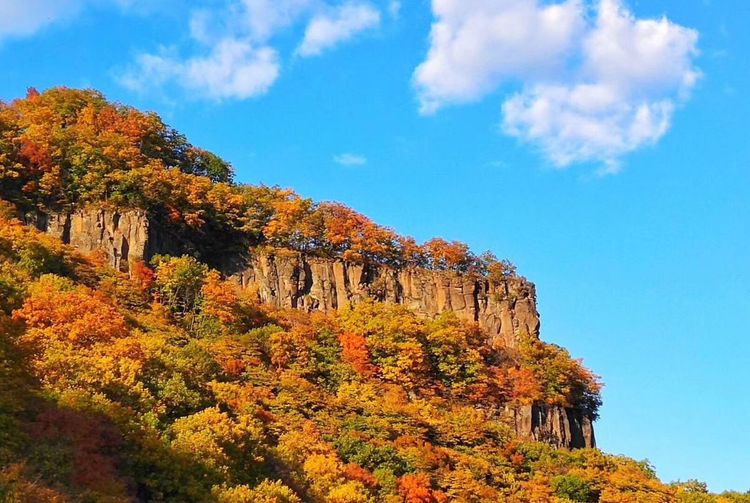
pixel 121 236
pixel 558 426
pixel 292 280
pixel 287 279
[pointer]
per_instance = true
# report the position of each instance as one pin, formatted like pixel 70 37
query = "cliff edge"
pixel 288 279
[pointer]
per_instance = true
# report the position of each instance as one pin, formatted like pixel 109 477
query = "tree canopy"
pixel 67 148
pixel 170 384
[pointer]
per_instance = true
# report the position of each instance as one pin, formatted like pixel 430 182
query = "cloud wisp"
pixel 591 88
pixel 327 30
pixel 22 19
pixel 234 68
pixel 350 160
pixel 25 18
pixel 233 54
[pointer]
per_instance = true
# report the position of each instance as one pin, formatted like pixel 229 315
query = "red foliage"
pixel 353 471
pixel 415 488
pixel 356 354
pixel 36 155
pixel 142 275
pixel 526 388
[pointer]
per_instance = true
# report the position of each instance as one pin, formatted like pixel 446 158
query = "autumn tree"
pixel 564 381
pixel 442 255
pixel 394 338
pixel 265 492
pixel 66 148
pixel 226 447
pixel 457 351
pixel 415 488
pixel 179 283
pixel 356 354
pixel 58 311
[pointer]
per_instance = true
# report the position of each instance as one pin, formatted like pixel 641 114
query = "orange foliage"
pixel 73 147
pixel 355 353
pixel 220 299
pixel 202 406
pixel 538 490
pixel 292 347
pixel 356 236
pixel 526 388
pixel 447 255
pixel 56 311
pixel 291 221
pixel 142 275
pixel 415 488
pixel 353 471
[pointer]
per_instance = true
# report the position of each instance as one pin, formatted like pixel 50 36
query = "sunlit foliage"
pixel 67 148
pixel 169 383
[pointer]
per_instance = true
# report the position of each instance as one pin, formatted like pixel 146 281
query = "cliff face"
pixel 292 280
pixel 287 279
pixel 121 236
pixel 558 426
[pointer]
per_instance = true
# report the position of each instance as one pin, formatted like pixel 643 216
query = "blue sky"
pixel 602 147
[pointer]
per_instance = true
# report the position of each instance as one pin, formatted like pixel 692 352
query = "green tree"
pixel 179 283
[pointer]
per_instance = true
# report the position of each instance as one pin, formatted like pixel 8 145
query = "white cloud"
pixel 350 160
pixel 264 18
pixel 478 44
pixel 233 69
pixel 24 18
pixel 595 100
pixel 151 70
pixel 201 30
pixel 640 55
pixel 594 123
pixel 327 30
pixel 233 53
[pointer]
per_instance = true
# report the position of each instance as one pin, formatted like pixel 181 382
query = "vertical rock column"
pixel 121 235
pixel 557 426
pixel 291 280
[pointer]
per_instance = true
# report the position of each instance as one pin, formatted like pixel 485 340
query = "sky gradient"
pixel 617 181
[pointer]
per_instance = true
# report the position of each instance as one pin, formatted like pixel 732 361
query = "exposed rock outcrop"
pixel 292 280
pixel 288 279
pixel 558 426
pixel 122 236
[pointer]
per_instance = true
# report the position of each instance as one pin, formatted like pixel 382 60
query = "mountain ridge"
pixel 168 335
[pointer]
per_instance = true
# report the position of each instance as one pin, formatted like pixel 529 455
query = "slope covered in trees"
pixel 68 148
pixel 170 384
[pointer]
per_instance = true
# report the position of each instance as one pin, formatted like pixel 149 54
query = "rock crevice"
pixel 122 237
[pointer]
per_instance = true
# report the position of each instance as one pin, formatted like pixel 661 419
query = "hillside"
pixel 169 335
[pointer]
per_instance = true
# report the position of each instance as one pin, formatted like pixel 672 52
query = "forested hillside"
pixel 168 382
pixel 68 148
